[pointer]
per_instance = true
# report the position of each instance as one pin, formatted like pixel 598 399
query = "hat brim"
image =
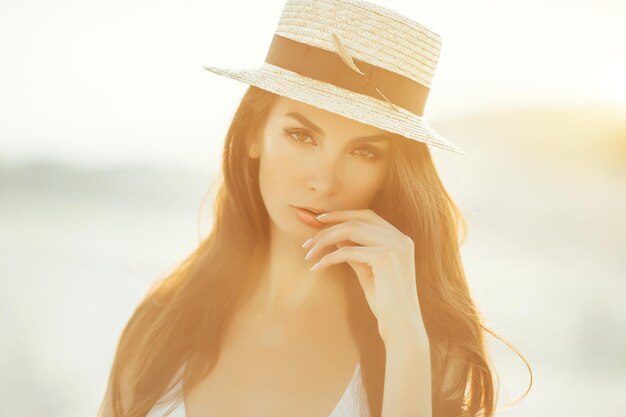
pixel 359 107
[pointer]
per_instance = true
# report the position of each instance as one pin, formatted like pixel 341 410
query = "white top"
pixel 353 402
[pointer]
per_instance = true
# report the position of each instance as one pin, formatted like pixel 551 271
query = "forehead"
pixel 329 121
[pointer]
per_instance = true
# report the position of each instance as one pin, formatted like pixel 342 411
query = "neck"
pixel 284 283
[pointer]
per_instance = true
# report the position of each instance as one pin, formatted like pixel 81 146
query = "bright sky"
pixel 107 82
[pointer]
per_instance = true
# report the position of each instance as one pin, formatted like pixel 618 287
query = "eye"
pixel 291 132
pixel 371 152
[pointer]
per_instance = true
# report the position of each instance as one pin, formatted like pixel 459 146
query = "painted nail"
pixel 307 242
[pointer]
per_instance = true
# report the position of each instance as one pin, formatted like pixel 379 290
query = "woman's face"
pixel 311 157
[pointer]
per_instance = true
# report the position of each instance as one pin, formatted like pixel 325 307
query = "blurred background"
pixel 111 132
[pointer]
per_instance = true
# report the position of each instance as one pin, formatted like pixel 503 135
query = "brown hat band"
pixel 327 66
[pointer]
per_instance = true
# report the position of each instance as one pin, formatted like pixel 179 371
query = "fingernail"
pixel 320 216
pixel 306 243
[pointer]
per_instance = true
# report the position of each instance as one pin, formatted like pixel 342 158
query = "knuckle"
pixel 352 226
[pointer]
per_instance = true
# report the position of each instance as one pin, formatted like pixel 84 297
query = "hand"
pixel 383 259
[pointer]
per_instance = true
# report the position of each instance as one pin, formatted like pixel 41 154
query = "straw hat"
pixel 353 58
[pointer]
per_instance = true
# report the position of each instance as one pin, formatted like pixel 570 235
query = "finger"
pixel 363 254
pixel 358 232
pixel 309 243
pixel 344 215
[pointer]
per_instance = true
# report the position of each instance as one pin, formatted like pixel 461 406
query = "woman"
pixel 362 312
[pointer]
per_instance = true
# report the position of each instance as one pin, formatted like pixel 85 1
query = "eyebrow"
pixel 385 137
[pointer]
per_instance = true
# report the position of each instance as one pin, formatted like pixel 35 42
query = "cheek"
pixel 277 160
pixel 361 187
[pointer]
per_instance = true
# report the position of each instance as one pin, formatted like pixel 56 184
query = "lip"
pixel 309 208
pixel 307 217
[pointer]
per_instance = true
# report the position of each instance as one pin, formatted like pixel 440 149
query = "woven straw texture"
pixel 370 33
pixel 384 38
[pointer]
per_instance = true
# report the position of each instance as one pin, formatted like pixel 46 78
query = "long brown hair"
pixel 180 322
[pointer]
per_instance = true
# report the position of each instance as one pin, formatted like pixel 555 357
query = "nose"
pixel 324 174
